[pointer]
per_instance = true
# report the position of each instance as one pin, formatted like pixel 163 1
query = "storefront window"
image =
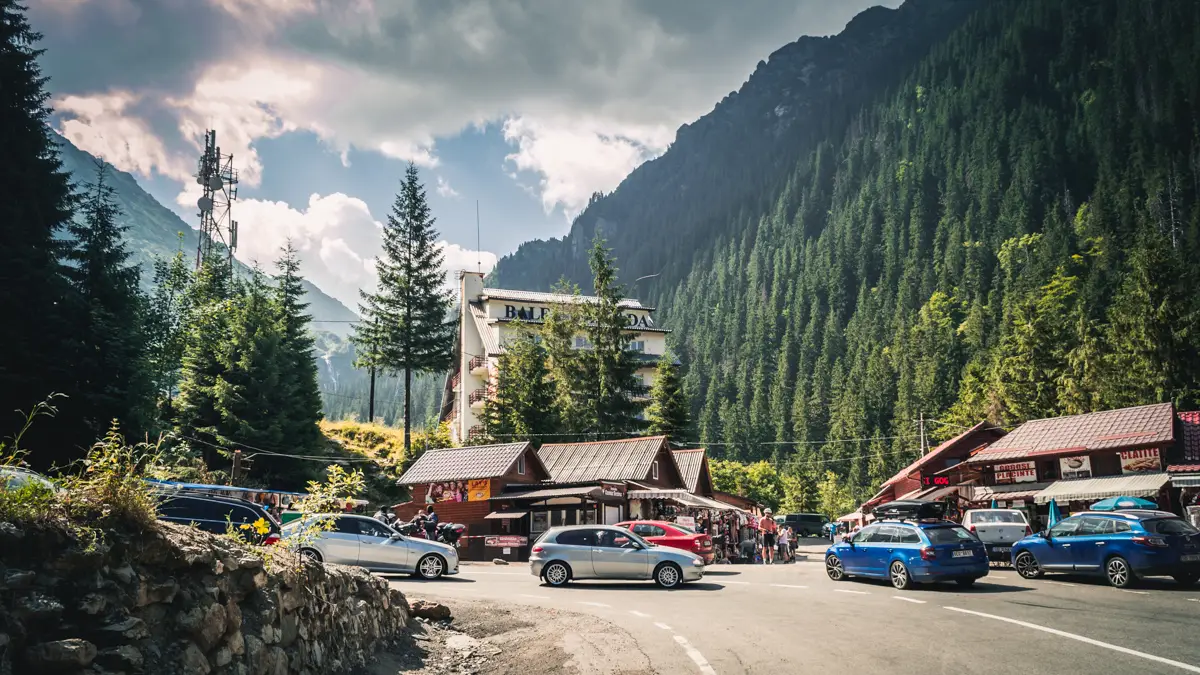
pixel 541 521
pixel 589 516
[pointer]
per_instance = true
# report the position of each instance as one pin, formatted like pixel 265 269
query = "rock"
pixel 499 561
pixel 10 531
pixel 206 625
pixel 124 574
pixel 289 629
pixel 60 655
pixel 222 657
pixel 127 630
pixel 155 592
pixel 279 662
pixel 260 579
pixel 125 657
pixel 193 661
pixel 17 579
pixel 269 634
pixel 38 607
pixel 4 640
pixel 236 643
pixel 254 654
pixel 433 611
pixel 92 604
pixel 233 617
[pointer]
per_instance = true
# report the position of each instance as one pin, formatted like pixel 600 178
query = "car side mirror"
pixel 847 539
pixel 1044 534
pixel 396 537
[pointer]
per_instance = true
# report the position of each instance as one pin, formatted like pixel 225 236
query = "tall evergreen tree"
pixel 167 316
pixel 111 371
pixel 521 407
pixel 567 370
pixel 197 413
pixel 669 412
pixel 36 202
pixel 298 376
pixel 252 397
pixel 612 380
pixel 406 324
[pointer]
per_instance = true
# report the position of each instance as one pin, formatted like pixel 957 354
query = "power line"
pixel 260 451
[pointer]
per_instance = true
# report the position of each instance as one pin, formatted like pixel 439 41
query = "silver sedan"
pixel 366 542
pixel 605 552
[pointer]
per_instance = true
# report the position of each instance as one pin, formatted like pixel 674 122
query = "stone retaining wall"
pixel 177 600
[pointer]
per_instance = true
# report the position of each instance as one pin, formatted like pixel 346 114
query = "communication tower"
pixel 218 178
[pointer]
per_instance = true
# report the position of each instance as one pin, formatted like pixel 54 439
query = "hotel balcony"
pixel 478 365
pixel 455 380
pixel 475 399
pixel 475 432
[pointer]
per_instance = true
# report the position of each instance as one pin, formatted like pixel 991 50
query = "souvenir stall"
pixel 728 525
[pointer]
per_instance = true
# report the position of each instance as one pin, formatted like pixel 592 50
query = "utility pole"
pixel 237 467
pixel 371 403
pixel 921 423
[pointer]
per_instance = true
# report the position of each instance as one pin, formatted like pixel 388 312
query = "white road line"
pixel 788 586
pixel 595 604
pixel 743 583
pixel 1060 583
pixel 662 625
pixel 843 590
pixel 695 655
pixel 1194 599
pixel 641 614
pixel 901 597
pixel 503 574
pixel 1125 590
pixel 1096 643
pixel 535 597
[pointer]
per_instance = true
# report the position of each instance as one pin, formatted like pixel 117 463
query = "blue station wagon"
pixel 908 553
pixel 1120 545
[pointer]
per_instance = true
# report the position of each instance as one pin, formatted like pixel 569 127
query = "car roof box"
pixel 911 509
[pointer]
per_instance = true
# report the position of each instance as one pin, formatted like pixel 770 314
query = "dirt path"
pixel 497 638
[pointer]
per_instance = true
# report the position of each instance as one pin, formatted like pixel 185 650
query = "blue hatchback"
pixel 1121 545
pixel 908 553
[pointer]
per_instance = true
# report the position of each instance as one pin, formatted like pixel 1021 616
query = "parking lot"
pixel 752 619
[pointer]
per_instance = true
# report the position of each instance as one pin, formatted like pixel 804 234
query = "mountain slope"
pixel 157 232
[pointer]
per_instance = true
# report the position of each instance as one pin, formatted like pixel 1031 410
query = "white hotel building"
pixel 488 318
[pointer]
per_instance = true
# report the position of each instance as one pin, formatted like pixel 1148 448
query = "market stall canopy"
pixel 1133 485
pixel 1123 502
pixel 505 515
pixel 551 493
pixel 983 493
pixel 850 517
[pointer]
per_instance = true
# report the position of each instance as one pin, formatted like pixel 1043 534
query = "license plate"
pixel 963 554
pixel 1002 549
pixel 1195 557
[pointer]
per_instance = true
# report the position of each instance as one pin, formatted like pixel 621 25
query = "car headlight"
pixel 697 563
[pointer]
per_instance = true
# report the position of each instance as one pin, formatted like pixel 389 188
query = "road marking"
pixel 743 583
pixel 662 625
pixel 637 613
pixel 695 655
pixel 1096 643
pixel 503 574
pixel 843 590
pixel 595 604
pixel 1124 590
pixel 788 586
pixel 900 597
pixel 1194 599
pixel 535 597
pixel 1060 583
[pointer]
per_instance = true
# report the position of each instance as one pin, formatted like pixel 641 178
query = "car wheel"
pixel 556 574
pixel 1188 579
pixel 311 554
pixel 668 575
pixel 1027 566
pixel 965 583
pixel 899 575
pixel 834 568
pixel 1118 572
pixel 431 567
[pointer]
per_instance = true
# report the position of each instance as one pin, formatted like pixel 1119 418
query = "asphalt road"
pixel 794 619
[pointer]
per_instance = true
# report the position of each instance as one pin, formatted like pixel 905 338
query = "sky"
pixel 522 107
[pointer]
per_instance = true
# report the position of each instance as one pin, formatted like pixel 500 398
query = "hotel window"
pixel 637 346
pixel 521 465
pixel 581 342
pixel 654 470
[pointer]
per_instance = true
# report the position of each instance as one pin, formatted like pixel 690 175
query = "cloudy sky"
pixel 526 106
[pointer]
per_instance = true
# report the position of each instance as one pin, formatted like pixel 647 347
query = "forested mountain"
pixel 1007 230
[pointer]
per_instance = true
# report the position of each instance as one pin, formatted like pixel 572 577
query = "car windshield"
pixel 1169 526
pixel 947 535
pixel 997 517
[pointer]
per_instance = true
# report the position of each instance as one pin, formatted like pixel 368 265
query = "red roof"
pixel 1189 424
pixel 937 452
pixel 1142 426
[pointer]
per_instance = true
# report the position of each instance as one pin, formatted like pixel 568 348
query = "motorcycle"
pixel 449 533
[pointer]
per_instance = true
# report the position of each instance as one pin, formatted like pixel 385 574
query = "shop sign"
pixel 929 480
pixel 1016 472
pixel 1075 467
pixel 686 521
pixel 505 541
pixel 1017 503
pixel 460 491
pixel 1140 461
pixel 538 313
pixel 612 490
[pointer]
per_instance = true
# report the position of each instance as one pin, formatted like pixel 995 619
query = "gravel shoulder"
pixel 500 639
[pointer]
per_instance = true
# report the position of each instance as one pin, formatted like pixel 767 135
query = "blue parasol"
pixel 1054 515
pixel 994 503
pixel 1115 503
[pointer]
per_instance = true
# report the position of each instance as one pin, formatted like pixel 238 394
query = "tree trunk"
pixel 371 401
pixel 407 412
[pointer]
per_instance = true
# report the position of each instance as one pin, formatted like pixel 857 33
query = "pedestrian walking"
pixel 768 527
pixel 784 544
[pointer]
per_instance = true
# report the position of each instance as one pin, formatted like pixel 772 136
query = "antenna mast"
pixel 478 242
pixel 216 175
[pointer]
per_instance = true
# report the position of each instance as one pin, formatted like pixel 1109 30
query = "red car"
pixel 673 535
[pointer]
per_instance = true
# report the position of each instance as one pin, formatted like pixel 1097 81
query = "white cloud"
pixel 444 189
pixel 98 124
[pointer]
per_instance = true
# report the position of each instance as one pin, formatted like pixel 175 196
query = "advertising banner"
pixel 460 491
pixel 1016 472
pixel 1140 461
pixel 1075 467
pixel 505 540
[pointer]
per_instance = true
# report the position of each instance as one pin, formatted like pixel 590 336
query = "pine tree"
pixel 298 377
pixel 611 367
pixel 211 300
pixel 669 412
pixel 251 395
pixel 167 316
pixel 36 202
pixel 521 406
pixel 567 372
pixel 406 325
pixel 111 371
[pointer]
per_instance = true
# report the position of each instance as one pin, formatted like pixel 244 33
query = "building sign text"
pixel 1075 467
pixel 1016 472
pixel 1140 461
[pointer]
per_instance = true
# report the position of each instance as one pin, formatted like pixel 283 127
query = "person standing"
pixel 784 544
pixel 768 528
pixel 431 523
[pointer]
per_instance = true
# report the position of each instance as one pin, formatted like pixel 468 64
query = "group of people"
pixel 776 543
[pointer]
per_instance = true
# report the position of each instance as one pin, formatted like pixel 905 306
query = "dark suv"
pixel 215 514
pixel 805 524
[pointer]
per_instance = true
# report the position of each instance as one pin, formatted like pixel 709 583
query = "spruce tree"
pixel 611 368
pixel 522 405
pixel 406 325
pixel 669 411
pixel 298 377
pixel 112 377
pixel 566 366
pixel 211 302
pixel 251 396
pixel 166 322
pixel 36 202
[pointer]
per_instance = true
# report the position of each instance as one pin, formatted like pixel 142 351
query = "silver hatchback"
pixel 366 542
pixel 605 552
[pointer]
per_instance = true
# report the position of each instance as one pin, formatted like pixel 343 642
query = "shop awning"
pixel 935 493
pixel 1086 489
pixel 550 493
pixel 983 493
pixel 657 494
pixel 1185 480
pixel 715 505
pixel 505 515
